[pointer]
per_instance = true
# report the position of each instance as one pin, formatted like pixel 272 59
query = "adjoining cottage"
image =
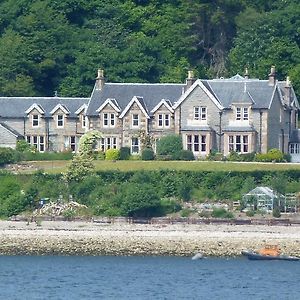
pixel 236 114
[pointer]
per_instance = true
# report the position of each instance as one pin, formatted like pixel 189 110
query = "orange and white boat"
pixel 269 252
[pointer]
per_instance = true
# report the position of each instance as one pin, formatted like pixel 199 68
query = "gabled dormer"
pixel 135 111
pixel 108 111
pixel 241 108
pixel 162 114
pixel 59 114
pixel 80 112
pixel 34 113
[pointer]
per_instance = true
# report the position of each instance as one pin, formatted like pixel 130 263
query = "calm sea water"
pixel 62 277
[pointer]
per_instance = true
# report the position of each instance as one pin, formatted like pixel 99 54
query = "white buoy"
pixel 197 256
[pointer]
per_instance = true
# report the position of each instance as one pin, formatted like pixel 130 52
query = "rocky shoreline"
pixel 88 238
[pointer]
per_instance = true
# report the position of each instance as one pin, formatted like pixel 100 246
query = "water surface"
pixel 106 277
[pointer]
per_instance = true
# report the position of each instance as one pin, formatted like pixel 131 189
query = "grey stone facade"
pixel 235 114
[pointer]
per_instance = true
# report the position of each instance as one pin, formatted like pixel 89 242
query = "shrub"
pixel 7 156
pixel 250 213
pixel 169 206
pixel 100 155
pixel 276 212
pixel 273 155
pixel 23 146
pixel 112 154
pixel 186 155
pixel 148 154
pixel 221 213
pixel 215 155
pixel 170 145
pixel 124 153
pixel 186 212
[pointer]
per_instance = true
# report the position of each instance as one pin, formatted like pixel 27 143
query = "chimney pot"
pixel 246 74
pixel 272 76
pixel 190 74
pixel 100 80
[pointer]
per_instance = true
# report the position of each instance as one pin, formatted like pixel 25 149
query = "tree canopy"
pixel 50 45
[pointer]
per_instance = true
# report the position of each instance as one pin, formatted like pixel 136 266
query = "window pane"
pixel 105 119
pixel 160 120
pixel 112 119
pixel 203 113
pixel 196 143
pixel 203 143
pixel 167 120
pixel 196 113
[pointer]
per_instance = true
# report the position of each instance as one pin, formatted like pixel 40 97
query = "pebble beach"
pixel 88 238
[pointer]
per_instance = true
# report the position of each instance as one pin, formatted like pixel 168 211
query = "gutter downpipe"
pixel 260 130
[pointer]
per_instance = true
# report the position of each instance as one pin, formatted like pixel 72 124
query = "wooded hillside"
pixel 54 45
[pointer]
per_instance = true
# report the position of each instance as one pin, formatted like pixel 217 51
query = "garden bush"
pixel 148 154
pixel 273 155
pixel 33 156
pixel 221 213
pixel 7 156
pixel 170 145
pixel 124 153
pixel 112 154
pixel 186 155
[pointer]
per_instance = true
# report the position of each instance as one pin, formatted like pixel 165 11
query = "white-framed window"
pixel 42 144
pixel 60 120
pixel 238 113
pixel 83 121
pixel 135 120
pixel 109 120
pixel 38 141
pixel 70 142
pixel 196 142
pixel 294 148
pixel 163 120
pixel 200 113
pixel 135 146
pixel 242 113
pixel 35 120
pixel 238 143
pixel 245 113
pixel 109 142
pixel 105 120
pixel 112 120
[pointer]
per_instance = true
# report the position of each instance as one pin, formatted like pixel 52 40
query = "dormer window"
pixel 83 121
pixel 60 120
pixel 242 113
pixel 35 120
pixel 135 120
pixel 200 113
pixel 112 120
pixel 163 120
pixel 109 120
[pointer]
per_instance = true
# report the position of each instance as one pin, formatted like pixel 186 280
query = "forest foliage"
pixel 51 45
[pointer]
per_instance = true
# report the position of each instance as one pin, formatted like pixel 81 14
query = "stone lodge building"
pixel 237 114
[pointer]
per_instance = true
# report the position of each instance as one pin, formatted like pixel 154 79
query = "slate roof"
pixel 252 91
pixel 152 94
pixel 13 131
pixel 15 107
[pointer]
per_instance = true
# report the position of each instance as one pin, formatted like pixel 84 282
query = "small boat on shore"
pixel 269 252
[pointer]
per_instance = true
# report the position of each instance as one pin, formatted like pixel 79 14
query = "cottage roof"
pixel 16 107
pixel 258 93
pixel 11 130
pixel 123 93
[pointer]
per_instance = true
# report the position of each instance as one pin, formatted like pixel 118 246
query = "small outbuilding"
pixel 262 198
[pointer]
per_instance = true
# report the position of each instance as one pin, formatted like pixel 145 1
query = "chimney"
pixel 100 80
pixel 190 80
pixel 272 76
pixel 246 74
pixel 287 91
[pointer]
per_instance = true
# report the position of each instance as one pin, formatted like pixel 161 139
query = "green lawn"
pixel 60 166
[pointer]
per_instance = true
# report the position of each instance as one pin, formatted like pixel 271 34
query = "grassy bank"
pixel 129 165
